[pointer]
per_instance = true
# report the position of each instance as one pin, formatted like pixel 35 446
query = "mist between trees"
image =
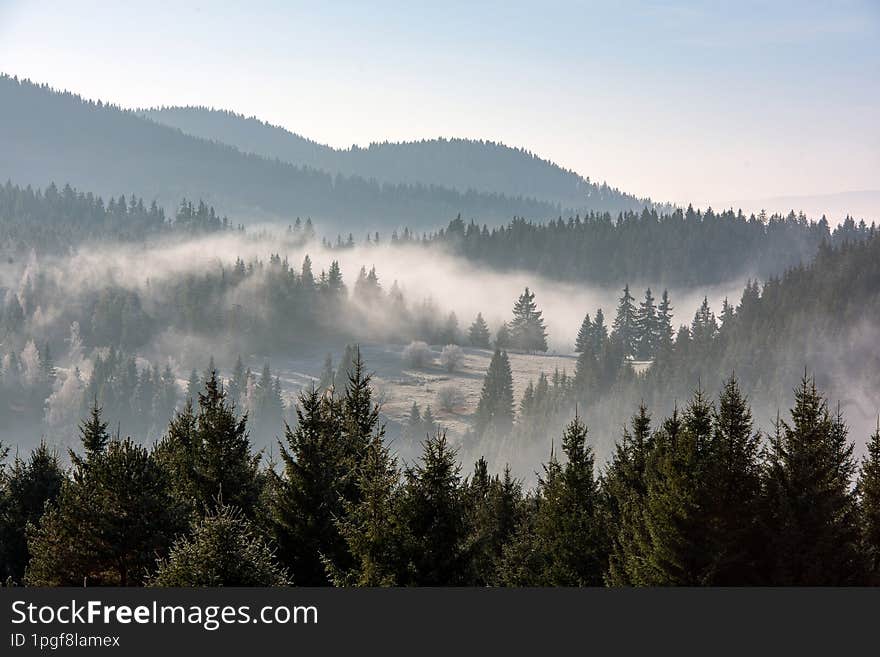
pixel 694 498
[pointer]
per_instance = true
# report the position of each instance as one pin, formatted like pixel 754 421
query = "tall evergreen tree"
pixel 30 486
pixel 648 328
pixel 222 549
pixel 495 409
pixel 208 454
pixel 811 506
pixel 584 337
pixel 432 511
pixel 527 331
pixel 478 333
pixel 625 327
pixel 869 504
pixel 665 332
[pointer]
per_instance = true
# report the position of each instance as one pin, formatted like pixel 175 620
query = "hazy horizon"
pixel 700 103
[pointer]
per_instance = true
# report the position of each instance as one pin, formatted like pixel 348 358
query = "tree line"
pixel 696 498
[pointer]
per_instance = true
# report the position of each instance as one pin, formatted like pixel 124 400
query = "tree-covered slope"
pixel 49 136
pixel 461 164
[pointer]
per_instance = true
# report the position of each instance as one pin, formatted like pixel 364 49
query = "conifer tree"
pixel 369 524
pixel 648 328
pixel 495 409
pixel 222 549
pixel 208 454
pixel 478 333
pixel 568 531
pixel 665 332
pixel 624 329
pixel 112 518
pixel 869 505
pixel 432 512
pixel 624 491
pixel 600 332
pixel 584 339
pixel 29 487
pixel 93 431
pixel 811 507
pixel 527 330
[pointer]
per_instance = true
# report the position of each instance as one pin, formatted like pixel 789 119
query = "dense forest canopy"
pixel 460 164
pixel 684 248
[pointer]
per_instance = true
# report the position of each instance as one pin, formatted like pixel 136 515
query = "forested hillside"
pixel 683 248
pixel 51 136
pixel 460 164
pixel 821 317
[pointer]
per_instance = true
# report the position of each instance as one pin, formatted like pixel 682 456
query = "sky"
pixel 703 102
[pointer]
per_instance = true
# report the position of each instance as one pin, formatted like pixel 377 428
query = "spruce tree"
pixel 584 338
pixel 869 505
pixel 113 517
pixel 478 333
pixel 665 332
pixel 494 511
pixel 369 524
pixel 495 409
pixel 222 549
pixel 568 530
pixel 29 487
pixel 208 454
pixel 432 512
pixel 624 329
pixel 600 332
pixel 648 328
pixel 527 330
pixel 812 524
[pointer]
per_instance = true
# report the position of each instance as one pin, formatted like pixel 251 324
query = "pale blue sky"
pixel 700 101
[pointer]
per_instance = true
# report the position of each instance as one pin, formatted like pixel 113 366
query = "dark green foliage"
pixel 625 327
pixel 322 458
pixel 208 456
pixel 222 549
pixel 495 510
pixel 564 540
pixel 25 492
pixel 527 330
pixel 584 339
pixel 432 512
pixel 112 518
pixel 682 248
pixel 813 535
pixel 869 499
pixel 478 333
pixel 370 526
pixel 495 408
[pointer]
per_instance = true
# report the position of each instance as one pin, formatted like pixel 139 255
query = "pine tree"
pixel 208 454
pixel 478 333
pixel 502 337
pixel 665 332
pixel 222 549
pixel 624 329
pixel 648 328
pixel 432 512
pixel 567 531
pixel 624 491
pixel 869 504
pixel 495 510
pixel 600 332
pixel 93 431
pixel 527 330
pixel 369 525
pixel 495 409
pixel 811 507
pixel 112 519
pixel 29 487
pixel 584 338
pixel 306 498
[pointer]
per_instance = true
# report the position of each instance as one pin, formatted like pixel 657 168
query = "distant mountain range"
pixel 460 164
pixel 255 172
